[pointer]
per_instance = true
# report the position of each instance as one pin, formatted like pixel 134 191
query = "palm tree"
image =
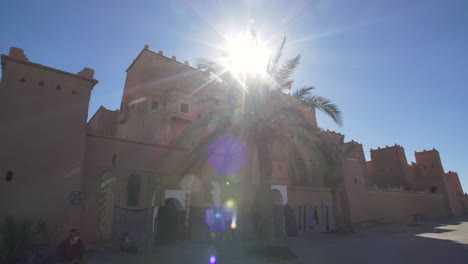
pixel 17 236
pixel 267 117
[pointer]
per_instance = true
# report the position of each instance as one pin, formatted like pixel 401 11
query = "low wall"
pixel 404 205
pixel 318 199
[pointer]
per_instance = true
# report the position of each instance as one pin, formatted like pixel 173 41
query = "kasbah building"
pixel 107 175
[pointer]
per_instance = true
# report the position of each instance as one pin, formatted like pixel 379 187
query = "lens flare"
pixel 230 203
pixel 246 55
pixel 233 225
pixel 227 155
pixel 212 259
pixel 218 218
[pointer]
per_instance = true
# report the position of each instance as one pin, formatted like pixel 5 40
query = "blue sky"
pixel 398 69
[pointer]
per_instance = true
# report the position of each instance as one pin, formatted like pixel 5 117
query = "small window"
pixel 132 106
pixel 58 88
pixel 9 176
pixel 121 108
pixel 23 80
pixel 433 189
pixel 41 83
pixel 381 170
pixel 74 92
pixel 154 105
pixel 355 181
pixel 184 108
pixel 114 159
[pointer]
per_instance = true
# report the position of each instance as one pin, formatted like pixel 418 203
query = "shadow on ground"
pixel 427 242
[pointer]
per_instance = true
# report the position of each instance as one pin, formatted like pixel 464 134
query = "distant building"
pixel 109 175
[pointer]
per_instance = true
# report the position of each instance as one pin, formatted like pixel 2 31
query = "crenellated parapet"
pixel 162 56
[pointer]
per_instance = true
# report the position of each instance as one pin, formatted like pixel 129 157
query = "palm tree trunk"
pixel 264 200
pixel 345 210
pixel 341 205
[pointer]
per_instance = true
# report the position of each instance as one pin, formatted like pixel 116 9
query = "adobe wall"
pixel 43 112
pixel 455 200
pixel 103 123
pixel 153 77
pixel 356 189
pixel 455 182
pixel 310 196
pixel 402 205
pixel 130 158
pixel 389 167
pixel 464 203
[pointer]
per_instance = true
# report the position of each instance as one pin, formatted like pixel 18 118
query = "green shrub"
pixel 17 236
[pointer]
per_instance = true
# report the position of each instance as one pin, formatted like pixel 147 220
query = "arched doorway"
pixel 170 222
pixel 278 214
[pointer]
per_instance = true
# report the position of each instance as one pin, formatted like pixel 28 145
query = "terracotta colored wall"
pixel 131 158
pixel 154 77
pixel 401 205
pixel 316 197
pixel 103 123
pixel 389 167
pixel 354 180
pixel 430 162
pixel 455 182
pixel 454 199
pixel 42 141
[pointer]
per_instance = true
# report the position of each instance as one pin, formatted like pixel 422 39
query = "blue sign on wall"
pixel 76 197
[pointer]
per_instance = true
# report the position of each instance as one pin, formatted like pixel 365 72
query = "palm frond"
pixel 284 72
pixel 302 92
pixel 274 60
pixel 325 105
pixel 287 85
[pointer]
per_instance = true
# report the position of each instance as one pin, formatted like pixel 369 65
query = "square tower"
pixel 43 112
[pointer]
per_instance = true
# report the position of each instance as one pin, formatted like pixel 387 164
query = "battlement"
pixel 335 135
pixel 427 151
pixel 352 142
pixel 17 55
pixel 396 146
pixel 161 54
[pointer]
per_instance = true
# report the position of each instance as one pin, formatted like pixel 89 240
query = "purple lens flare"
pixel 227 155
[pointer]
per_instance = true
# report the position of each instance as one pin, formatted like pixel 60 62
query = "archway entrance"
pixel 170 222
pixel 278 214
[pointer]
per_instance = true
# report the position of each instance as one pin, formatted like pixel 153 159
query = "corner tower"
pixel 43 112
pixel 388 166
pixel 160 98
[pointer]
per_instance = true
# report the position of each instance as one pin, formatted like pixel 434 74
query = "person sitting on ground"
pixel 127 244
pixel 72 249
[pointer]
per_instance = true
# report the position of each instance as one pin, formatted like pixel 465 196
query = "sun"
pixel 246 55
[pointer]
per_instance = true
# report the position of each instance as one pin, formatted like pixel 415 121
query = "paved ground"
pixel 431 242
